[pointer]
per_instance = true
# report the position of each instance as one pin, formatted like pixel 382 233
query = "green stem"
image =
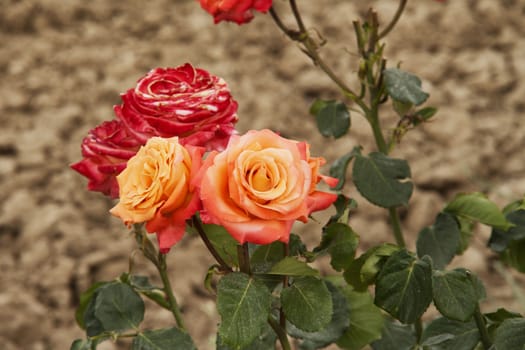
pixel 373 118
pixel 200 230
pixel 145 244
pixel 396 226
pixel 394 20
pixel 174 307
pixel 282 316
pixel 311 49
pixel 128 335
pixel 158 298
pixel 244 258
pixel 483 332
pixel 297 16
pixel 281 334
pixel 289 33
pixel 419 329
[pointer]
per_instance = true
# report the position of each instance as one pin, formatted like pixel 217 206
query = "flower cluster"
pixel 185 101
pixel 173 152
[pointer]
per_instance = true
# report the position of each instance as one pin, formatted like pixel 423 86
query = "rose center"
pixel 260 179
pixel 167 87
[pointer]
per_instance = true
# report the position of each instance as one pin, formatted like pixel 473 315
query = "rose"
pixel 260 185
pixel 238 11
pixel 156 188
pixel 186 102
pixel 106 150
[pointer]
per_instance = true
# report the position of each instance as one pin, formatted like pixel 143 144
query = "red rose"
pixel 238 11
pixel 106 150
pixel 186 102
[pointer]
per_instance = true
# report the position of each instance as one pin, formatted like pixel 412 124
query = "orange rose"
pixel 156 188
pixel 260 185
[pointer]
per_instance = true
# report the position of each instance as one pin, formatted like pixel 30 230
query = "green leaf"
pixel 366 321
pixel 382 180
pixel 265 341
pixel 244 306
pixel 92 324
pixel 363 271
pixel 316 106
pixel 307 304
pixel 477 207
pixel 223 243
pixel 395 336
pixel 514 256
pixel 501 315
pixel 85 299
pixel 446 334
pixel 339 167
pixel 511 335
pixel 118 307
pixel 423 115
pixel 455 296
pixel 81 344
pixel 163 339
pixel 402 108
pixel 499 239
pixel 495 319
pixel 335 329
pixel 265 256
pixel 466 227
pixel 343 205
pixel 404 286
pixel 141 283
pixel 514 206
pixel 333 118
pixel 340 241
pixel 440 241
pixel 290 266
pixel 296 246
pixel 404 87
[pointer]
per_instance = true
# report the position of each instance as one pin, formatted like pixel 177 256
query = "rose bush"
pixel 156 188
pixel 238 11
pixel 106 150
pixel 260 185
pixel 255 186
pixel 187 102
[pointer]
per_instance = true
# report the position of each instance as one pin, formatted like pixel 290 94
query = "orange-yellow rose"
pixel 259 185
pixel 156 188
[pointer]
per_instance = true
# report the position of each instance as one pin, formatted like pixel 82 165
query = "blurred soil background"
pixel 64 63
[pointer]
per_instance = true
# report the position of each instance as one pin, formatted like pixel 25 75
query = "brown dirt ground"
pixel 64 63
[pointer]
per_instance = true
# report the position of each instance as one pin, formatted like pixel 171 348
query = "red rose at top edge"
pixel 106 150
pixel 238 11
pixel 187 102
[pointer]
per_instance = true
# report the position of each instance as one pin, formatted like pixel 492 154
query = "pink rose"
pixel 186 102
pixel 156 188
pixel 260 185
pixel 238 11
pixel 106 150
